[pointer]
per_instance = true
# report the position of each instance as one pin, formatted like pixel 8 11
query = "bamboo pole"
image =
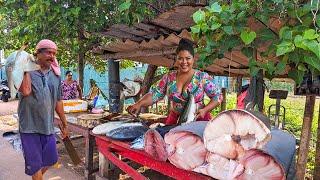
pixel 316 174
pixel 305 137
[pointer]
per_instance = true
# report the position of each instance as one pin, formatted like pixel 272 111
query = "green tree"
pixel 223 25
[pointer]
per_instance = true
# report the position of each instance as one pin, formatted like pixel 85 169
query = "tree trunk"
pixel 256 92
pixel 81 58
pixel 147 81
pixel 305 137
pixel 316 174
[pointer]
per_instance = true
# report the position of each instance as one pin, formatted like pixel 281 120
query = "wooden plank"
pixel 122 35
pixel 316 174
pixel 238 85
pixel 224 100
pixel 305 137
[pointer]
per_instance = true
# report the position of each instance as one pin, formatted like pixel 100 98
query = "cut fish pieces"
pixel 234 131
pixel 259 165
pixel 154 145
pixel 185 149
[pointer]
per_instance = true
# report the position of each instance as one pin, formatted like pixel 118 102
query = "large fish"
pixel 189 113
pixel 16 64
pixel 127 131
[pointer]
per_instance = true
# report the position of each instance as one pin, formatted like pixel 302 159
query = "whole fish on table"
pixel 16 65
pixel 189 113
pixel 127 131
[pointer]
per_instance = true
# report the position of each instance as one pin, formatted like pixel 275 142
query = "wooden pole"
pixel 238 85
pixel 305 137
pixel 316 174
pixel 147 82
pixel 224 101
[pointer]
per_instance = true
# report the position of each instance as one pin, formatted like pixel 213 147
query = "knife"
pixel 71 150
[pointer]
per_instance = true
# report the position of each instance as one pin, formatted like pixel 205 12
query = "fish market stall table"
pixel 110 148
pixel 74 127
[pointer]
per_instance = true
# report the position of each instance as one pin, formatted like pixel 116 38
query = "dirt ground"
pixel 9 123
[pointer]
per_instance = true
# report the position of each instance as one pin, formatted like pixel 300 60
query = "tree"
pixel 223 25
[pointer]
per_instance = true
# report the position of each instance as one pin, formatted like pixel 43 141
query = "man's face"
pixel 46 57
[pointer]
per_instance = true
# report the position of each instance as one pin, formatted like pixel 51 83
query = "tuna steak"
pixel 234 131
pixel 155 146
pixel 259 165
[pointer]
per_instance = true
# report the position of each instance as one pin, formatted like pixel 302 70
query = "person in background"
pixel 178 84
pixel 241 98
pixel 70 88
pixel 94 90
pixel 39 97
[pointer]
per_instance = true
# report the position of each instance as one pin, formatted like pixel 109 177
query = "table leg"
pixel 90 141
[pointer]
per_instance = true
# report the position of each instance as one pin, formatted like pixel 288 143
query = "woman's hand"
pixel 201 113
pixel 134 109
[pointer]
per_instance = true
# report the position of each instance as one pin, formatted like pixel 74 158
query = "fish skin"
pixel 127 132
pixel 17 64
pixel 138 143
pixel 189 113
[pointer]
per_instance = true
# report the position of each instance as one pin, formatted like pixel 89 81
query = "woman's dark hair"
pixel 68 72
pixel 185 45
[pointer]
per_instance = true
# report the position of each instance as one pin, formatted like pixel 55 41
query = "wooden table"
pixel 89 146
pixel 111 148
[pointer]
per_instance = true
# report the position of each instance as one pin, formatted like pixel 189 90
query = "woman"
pixel 179 84
pixel 70 88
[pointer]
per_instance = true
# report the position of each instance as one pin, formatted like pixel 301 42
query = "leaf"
pixel 318 21
pixel 299 42
pixel 302 67
pixel 310 34
pixel 247 51
pixel 277 1
pixel 125 5
pixel 228 30
pixel 195 29
pixel 247 37
pixel 314 62
pixel 254 71
pixel 204 27
pixel 285 33
pixel 296 75
pixel 284 47
pixel 215 7
pixel 314 46
pixel 198 16
pixel 280 67
pixel 266 34
pixel 215 26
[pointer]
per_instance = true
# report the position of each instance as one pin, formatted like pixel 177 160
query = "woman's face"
pixel 69 77
pixel 184 61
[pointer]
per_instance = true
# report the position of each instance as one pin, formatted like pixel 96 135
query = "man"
pixel 40 96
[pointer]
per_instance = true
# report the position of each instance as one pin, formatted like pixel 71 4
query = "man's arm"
pixel 60 112
pixel 25 87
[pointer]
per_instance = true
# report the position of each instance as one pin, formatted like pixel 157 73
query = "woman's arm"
pixel 145 101
pixel 25 87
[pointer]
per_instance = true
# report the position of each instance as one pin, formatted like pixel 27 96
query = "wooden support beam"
pixel 224 101
pixel 238 85
pixel 305 137
pixel 141 53
pixel 316 174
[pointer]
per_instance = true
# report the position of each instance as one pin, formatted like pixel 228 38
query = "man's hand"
pixel 134 109
pixel 64 130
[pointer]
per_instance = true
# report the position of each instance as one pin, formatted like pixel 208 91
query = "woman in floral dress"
pixel 70 88
pixel 178 84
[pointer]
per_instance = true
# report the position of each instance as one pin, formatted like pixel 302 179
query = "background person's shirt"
pixel 36 111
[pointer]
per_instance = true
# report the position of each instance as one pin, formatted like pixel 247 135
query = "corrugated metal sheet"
pixel 155 42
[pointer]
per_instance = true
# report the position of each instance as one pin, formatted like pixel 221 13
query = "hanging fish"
pixel 16 65
pixel 189 113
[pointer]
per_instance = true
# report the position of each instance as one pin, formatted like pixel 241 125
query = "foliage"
pixel 223 26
